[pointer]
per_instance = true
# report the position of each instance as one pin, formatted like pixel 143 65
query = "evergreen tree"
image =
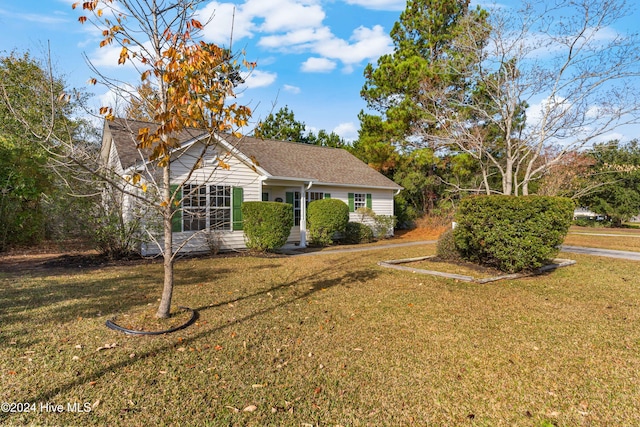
pixel 425 57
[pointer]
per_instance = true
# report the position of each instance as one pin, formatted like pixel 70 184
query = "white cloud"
pixel 223 19
pixel 34 17
pixel 367 44
pixel 291 89
pixel 297 26
pixel 284 15
pixel 318 65
pixel 392 5
pixel 347 131
pixel 259 78
pixel 304 39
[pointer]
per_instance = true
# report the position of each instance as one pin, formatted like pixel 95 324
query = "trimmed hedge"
pixel 267 225
pixel 325 218
pixel 357 232
pixel 512 233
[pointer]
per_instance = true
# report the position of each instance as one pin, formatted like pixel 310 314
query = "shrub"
pixel 357 232
pixel 446 247
pixel 512 233
pixel 382 225
pixel 267 225
pixel 325 218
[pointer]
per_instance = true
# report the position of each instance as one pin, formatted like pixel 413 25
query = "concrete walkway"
pixel 610 253
pixel 296 252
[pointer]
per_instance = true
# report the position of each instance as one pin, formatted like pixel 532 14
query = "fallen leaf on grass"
pixel 250 408
pixel 232 408
pixel 181 349
pixel 107 346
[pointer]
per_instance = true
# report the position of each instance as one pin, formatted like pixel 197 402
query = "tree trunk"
pixel 164 310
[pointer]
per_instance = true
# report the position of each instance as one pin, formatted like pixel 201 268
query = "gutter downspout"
pixel 303 214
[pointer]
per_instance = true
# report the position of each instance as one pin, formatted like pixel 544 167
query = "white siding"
pixel 242 175
pixel 238 175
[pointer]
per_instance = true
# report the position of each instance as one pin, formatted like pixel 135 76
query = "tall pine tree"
pixel 426 56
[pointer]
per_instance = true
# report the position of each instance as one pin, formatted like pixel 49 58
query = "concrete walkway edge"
pixel 610 253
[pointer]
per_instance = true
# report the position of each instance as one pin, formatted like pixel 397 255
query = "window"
pixel 206 207
pixel 296 208
pixel 194 207
pixel 220 207
pixel 311 196
pixel 359 200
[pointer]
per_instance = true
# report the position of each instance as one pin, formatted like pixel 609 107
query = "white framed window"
pixel 220 207
pixel 359 200
pixel 206 207
pixel 194 207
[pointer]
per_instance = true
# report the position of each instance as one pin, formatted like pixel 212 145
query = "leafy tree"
pixel 616 178
pixel 142 103
pixel 561 51
pixel 284 127
pixel 325 139
pixel 192 82
pixel 426 57
pixel 28 183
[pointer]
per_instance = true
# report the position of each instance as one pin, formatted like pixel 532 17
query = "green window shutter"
pixel 289 198
pixel 176 219
pixel 265 197
pixel 236 213
pixel 369 204
pixel 327 195
pixel 351 202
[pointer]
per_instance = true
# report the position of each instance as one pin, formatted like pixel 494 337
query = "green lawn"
pixel 326 340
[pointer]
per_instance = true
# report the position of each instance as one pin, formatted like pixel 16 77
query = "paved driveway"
pixel 634 256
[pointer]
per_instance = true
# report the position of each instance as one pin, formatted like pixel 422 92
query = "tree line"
pixel 470 101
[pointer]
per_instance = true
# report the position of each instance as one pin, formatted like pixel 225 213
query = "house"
pixel 232 170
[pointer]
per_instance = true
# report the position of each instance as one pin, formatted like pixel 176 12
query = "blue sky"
pixel 310 53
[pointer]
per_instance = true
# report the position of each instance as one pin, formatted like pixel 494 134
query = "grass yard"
pixel 325 340
pixel 621 239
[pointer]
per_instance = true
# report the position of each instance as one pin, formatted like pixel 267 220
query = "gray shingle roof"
pixel 278 158
pixel 124 132
pixel 310 162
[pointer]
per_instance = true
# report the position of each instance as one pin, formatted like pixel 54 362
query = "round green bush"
pixel 356 232
pixel 267 225
pixel 512 233
pixel 446 247
pixel 325 218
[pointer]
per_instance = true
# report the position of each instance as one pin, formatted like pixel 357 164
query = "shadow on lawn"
pixel 315 281
pixel 55 299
